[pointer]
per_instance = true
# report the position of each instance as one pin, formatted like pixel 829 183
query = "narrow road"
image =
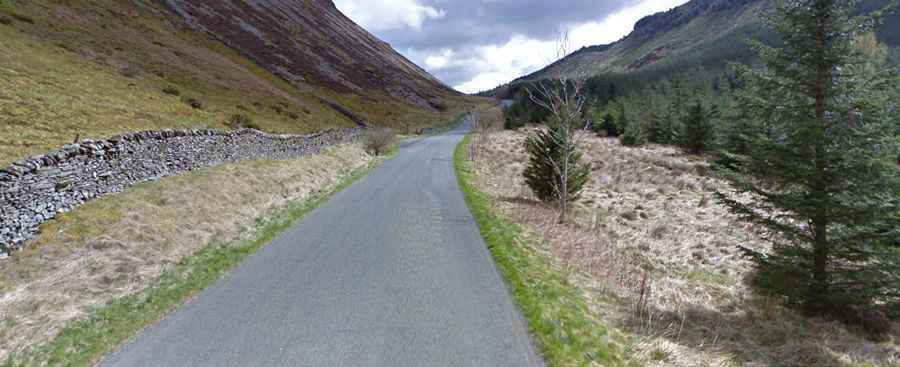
pixel 390 272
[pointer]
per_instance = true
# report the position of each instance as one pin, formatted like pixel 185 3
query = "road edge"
pixel 86 341
pixel 558 318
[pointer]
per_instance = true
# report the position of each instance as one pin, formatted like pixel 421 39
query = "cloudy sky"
pixel 475 45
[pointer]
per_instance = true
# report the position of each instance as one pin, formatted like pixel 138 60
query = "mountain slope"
pixel 700 32
pixel 95 68
pixel 663 37
pixel 311 41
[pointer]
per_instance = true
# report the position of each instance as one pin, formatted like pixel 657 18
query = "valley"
pixel 303 182
pixel 93 69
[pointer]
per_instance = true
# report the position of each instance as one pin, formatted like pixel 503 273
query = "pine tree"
pixel 697 128
pixel 634 134
pixel 607 126
pixel 655 132
pixel 542 174
pixel 662 127
pixel 821 167
pixel 679 97
pixel 737 131
pixel 555 152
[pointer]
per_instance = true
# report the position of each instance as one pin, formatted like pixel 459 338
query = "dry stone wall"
pixel 34 190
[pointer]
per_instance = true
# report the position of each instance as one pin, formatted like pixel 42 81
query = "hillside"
pixel 700 32
pixel 313 42
pixel 94 68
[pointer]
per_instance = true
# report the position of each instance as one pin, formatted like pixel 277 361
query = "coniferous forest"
pixel 800 112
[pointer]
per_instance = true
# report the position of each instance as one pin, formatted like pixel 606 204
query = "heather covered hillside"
pixel 91 69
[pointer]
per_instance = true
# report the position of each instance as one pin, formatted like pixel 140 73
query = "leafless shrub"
pixel 490 119
pixel 379 141
pixel 564 97
pixel 484 122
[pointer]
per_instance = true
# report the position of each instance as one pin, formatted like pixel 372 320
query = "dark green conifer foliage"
pixel 634 134
pixel 697 128
pixel 656 132
pixel 822 167
pixel 542 174
pixel 609 126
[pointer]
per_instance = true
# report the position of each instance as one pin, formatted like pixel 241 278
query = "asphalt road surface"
pixel 390 272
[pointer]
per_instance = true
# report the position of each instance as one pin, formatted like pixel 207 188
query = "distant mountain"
pixel 700 32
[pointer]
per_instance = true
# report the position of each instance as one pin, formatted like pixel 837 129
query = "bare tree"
pixel 476 147
pixel 563 95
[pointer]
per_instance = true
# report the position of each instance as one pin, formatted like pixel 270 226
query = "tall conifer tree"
pixel 823 168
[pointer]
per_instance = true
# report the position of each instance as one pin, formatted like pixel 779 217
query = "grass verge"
pixel 84 342
pixel 558 317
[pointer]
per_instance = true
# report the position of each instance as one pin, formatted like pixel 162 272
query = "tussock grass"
pixel 566 331
pixel 663 262
pixel 97 275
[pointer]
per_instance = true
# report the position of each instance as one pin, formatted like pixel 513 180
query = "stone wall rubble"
pixel 34 190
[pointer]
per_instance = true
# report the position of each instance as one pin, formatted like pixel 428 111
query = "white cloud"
pixel 381 15
pixel 617 25
pixel 438 62
pixel 480 66
pixel 498 64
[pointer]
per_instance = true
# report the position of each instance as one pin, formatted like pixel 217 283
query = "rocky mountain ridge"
pixel 699 32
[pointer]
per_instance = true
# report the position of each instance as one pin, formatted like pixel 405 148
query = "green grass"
pixel 709 277
pixel 84 342
pixel 93 69
pixel 558 317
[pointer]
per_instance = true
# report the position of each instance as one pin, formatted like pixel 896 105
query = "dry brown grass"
pixel 486 121
pixel 658 258
pixel 119 244
pixel 93 69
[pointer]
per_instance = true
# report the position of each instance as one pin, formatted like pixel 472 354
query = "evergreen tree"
pixel 662 127
pixel 542 174
pixel 555 152
pixel 655 132
pixel 634 132
pixel 737 131
pixel 655 129
pixel 676 105
pixel 697 128
pixel 609 126
pixel 821 167
pixel 666 130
